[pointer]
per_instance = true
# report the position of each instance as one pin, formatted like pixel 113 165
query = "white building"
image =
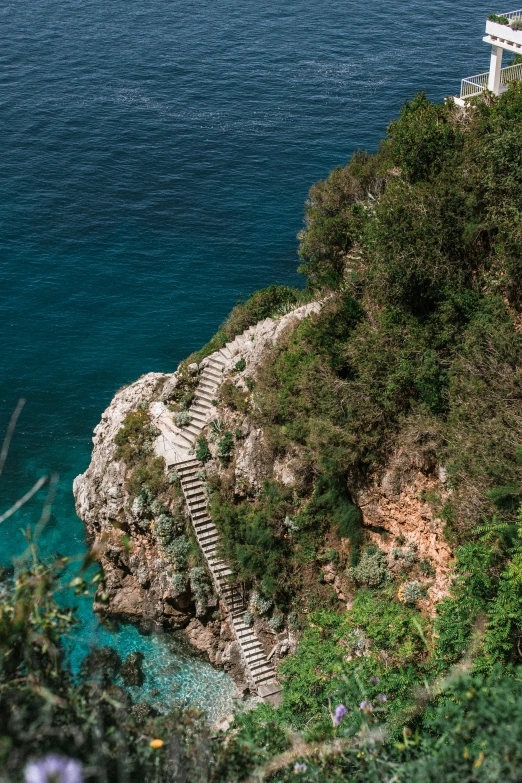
pixel 503 34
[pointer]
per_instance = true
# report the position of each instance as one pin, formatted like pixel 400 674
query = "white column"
pixel 494 70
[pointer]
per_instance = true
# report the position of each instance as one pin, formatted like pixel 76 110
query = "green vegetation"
pixel 499 19
pixel 44 708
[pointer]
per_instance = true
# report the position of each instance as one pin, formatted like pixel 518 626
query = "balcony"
pixel 474 85
pixel 503 34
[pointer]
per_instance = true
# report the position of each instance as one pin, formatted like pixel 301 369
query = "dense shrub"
pixel 372 569
pixel 134 440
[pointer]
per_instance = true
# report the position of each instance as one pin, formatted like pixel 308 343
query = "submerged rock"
pixel 132 669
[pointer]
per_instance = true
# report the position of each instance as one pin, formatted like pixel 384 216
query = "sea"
pixel 155 160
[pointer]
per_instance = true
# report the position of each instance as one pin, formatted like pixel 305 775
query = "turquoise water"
pixel 155 160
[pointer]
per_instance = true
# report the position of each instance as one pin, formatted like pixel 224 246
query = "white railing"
pixel 474 85
pixel 512 15
pixel 511 74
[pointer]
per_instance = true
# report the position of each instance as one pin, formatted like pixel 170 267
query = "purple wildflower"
pixel 54 769
pixel 366 706
pixel 374 680
pixel 382 697
pixel 340 712
pixel 300 766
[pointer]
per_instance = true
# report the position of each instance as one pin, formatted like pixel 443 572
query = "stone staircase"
pixel 261 670
pixel 180 442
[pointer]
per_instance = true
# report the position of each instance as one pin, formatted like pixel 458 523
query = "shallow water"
pixel 156 155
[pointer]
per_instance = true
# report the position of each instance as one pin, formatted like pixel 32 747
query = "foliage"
pixel 203 453
pixel 253 538
pixel 499 19
pixel 134 439
pixel 44 709
pixel 378 638
pixel 372 569
pixel 410 592
pixel 233 397
pixel 225 447
pixel 277 622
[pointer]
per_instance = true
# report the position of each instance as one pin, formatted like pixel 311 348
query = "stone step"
pixel 203 394
pixel 195 428
pixel 196 416
pixel 200 505
pixel 204 527
pixel 215 358
pixel 208 384
pixel 200 517
pixel 188 467
pixel 212 371
pixel 223 570
pixel 208 535
pixel 201 410
pixel 254 657
pixel 245 632
pixel 252 645
pixel 181 435
pixel 263 673
pixel 268 678
pixel 195 494
pixel 191 480
pixel 257 666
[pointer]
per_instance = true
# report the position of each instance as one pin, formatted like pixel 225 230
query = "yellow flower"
pixel 156 743
pixel 246 399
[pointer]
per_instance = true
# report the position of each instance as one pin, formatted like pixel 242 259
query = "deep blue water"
pixel 155 157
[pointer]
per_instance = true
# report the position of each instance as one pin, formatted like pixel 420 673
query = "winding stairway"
pixel 177 446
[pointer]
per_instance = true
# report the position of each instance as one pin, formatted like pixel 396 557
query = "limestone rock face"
pixel 134 587
pixel 398 504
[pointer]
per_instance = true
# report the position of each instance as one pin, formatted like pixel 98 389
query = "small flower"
pixel 156 743
pixel 366 706
pixel 300 766
pixel 382 697
pixel 374 680
pixel 340 712
pixel 54 769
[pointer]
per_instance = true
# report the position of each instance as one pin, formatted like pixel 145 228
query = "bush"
pixel 45 709
pixel 134 439
pixel 225 447
pixel 265 303
pixel 203 453
pixel 233 397
pixel 277 622
pixel 410 592
pixel 182 418
pixel 372 569
pixel 498 19
pixel 201 587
